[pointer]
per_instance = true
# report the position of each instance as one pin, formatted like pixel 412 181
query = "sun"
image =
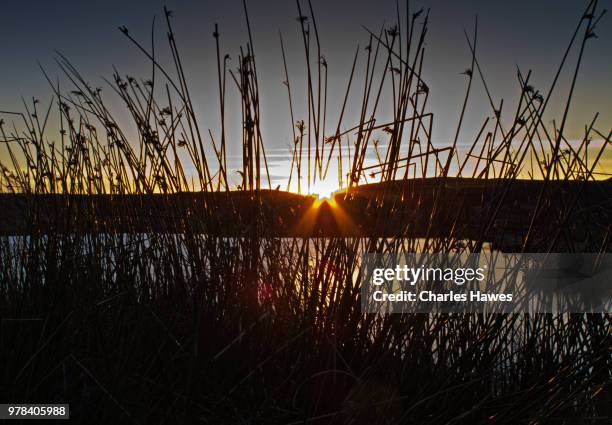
pixel 324 189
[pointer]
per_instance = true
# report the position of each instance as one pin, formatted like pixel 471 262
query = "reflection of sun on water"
pixel 324 189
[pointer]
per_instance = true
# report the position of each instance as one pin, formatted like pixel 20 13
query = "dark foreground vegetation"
pixel 179 317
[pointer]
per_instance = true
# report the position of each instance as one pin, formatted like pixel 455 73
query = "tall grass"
pixel 151 327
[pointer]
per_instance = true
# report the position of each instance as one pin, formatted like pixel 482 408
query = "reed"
pixel 153 327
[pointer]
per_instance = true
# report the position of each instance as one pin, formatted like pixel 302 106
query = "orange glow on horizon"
pixel 324 189
pixel 324 215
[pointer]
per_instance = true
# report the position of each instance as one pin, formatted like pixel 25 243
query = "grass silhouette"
pixel 131 322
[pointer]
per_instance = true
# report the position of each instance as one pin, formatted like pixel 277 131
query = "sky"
pixel 528 34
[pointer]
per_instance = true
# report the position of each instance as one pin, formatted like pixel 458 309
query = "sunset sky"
pixel 528 34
